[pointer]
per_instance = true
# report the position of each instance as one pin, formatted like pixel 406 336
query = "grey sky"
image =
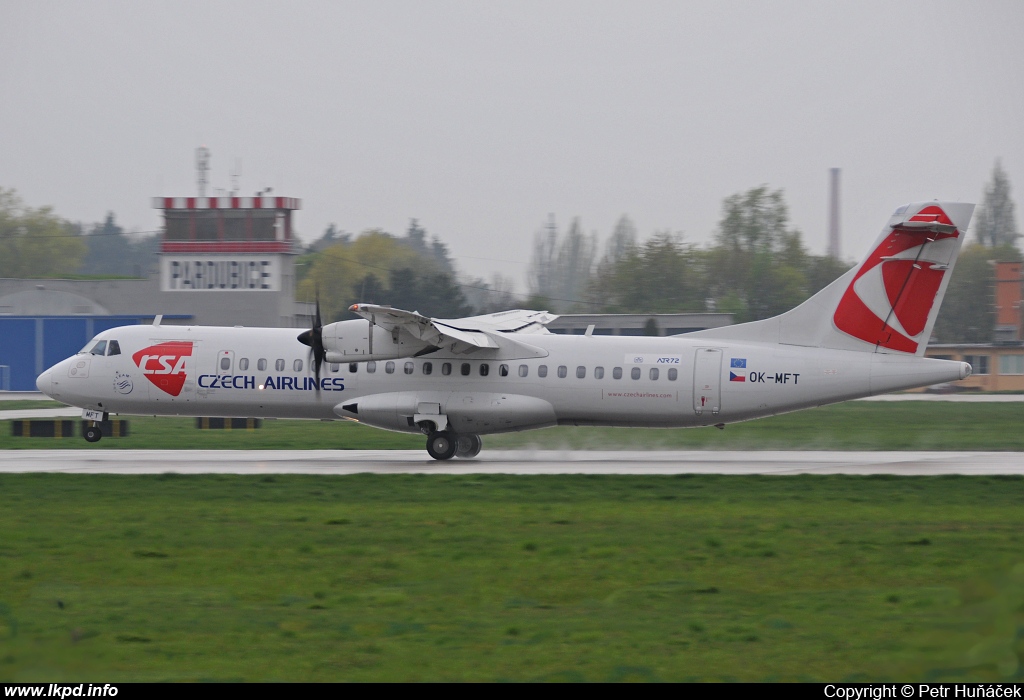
pixel 480 118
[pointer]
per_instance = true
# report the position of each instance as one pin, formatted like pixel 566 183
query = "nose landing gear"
pixel 92 433
pixel 445 444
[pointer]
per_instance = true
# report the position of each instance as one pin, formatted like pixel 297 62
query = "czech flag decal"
pixel 738 369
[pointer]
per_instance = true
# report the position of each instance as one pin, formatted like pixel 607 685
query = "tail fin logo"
pixel 165 365
pixel 890 299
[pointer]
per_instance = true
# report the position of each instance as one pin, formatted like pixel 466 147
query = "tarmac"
pixel 532 462
pixel 96 460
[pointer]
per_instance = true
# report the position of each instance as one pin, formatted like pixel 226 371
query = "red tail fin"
pixel 889 302
pixel 890 299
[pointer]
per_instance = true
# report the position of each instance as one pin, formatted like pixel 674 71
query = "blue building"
pixel 39 328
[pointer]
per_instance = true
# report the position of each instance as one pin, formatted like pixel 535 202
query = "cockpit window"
pixel 99 348
pixel 113 348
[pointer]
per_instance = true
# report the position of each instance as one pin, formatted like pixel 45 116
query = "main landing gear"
pixel 445 444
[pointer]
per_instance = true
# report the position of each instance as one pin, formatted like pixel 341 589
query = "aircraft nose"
pixel 44 382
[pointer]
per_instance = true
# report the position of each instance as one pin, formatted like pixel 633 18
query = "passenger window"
pixel 502 370
pixel 617 373
pixel 599 373
pixel 524 370
pixel 352 367
pixel 99 348
pixel 581 372
pixel 428 367
pixel 562 371
pixel 542 371
pixel 654 372
pixel 673 374
pixel 113 348
pixel 297 365
pixel 464 369
pixel 335 367
pixel 225 363
pixel 446 368
pixel 261 364
pixel 635 373
pixel 279 365
pixel 389 367
pixel 243 364
pixel 371 367
pixel 485 369
pixel 408 368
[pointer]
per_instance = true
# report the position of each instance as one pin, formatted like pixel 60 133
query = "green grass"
pixel 25 404
pixel 117 578
pixel 851 426
pixel 857 425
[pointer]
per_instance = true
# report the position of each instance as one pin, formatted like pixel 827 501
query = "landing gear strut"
pixel 92 433
pixel 442 444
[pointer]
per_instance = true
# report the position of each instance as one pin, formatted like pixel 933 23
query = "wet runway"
pixel 100 461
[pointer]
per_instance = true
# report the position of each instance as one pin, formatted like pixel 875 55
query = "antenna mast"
pixel 833 214
pixel 202 167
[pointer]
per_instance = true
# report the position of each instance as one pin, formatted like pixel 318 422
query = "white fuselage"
pixel 590 380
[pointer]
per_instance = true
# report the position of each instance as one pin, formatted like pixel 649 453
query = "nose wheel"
pixel 92 434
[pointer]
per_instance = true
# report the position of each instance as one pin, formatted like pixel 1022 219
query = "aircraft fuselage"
pixel 568 380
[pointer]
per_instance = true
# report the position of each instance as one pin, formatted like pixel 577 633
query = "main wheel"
pixel 442 445
pixel 92 434
pixel 468 446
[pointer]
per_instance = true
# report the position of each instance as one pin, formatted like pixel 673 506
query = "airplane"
pixel 455 380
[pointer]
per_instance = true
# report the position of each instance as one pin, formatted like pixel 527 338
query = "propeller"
pixel 315 340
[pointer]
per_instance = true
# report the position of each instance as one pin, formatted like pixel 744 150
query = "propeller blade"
pixel 314 340
pixel 317 323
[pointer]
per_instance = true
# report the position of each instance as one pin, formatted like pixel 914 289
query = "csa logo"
pixel 164 365
pixel 893 292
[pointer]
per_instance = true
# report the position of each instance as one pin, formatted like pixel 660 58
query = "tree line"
pixel 756 266
pixel 36 243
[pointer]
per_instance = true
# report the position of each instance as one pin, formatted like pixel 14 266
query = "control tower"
pixel 230 254
pixel 241 244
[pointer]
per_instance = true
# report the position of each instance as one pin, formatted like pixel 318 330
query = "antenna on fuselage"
pixel 157 320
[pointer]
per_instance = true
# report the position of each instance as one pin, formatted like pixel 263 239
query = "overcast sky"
pixel 481 118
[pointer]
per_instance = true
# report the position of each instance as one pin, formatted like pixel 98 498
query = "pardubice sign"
pixel 217 273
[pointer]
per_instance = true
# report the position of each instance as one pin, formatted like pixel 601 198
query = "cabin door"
pixel 707 381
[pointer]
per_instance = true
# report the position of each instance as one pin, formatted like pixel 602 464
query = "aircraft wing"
pixel 515 321
pixel 461 335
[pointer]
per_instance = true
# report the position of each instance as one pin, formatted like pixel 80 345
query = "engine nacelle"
pixel 476 413
pixel 358 340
